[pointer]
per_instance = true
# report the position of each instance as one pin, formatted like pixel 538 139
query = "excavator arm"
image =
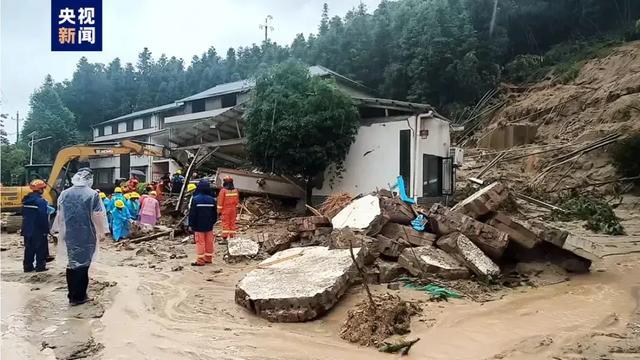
pixel 92 151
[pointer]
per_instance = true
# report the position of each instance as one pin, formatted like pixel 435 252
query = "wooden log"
pixel 151 237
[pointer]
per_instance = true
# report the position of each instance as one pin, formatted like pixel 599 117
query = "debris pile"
pixel 369 326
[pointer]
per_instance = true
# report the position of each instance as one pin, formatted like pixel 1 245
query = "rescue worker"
pixel 202 217
pixel 132 184
pixel 228 199
pixel 186 205
pixel 117 195
pixel 35 227
pixel 150 210
pixel 120 220
pixel 133 205
pixel 80 223
pixel 107 206
pixel 176 182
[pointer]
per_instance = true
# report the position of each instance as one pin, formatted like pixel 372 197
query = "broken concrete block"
pixel 341 238
pixel 390 248
pixel 490 240
pixel 549 233
pixel 358 214
pixel 429 260
pixel 416 238
pixel 484 201
pixel 397 210
pixel 388 270
pixel 518 231
pixel 460 247
pixel 273 244
pixel 308 223
pixel 297 284
pixel 242 247
pixel 582 247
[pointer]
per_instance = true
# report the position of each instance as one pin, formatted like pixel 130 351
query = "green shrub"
pixel 598 214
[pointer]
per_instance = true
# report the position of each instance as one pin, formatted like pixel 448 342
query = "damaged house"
pixel 395 138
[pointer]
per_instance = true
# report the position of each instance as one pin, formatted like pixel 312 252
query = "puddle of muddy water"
pixel 160 314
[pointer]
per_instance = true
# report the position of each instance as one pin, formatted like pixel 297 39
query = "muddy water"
pixel 190 314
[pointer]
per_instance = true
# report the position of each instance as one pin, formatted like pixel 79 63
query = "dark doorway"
pixel 125 165
pixel 431 175
pixel 405 158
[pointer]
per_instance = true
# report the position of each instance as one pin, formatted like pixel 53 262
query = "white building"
pixel 396 138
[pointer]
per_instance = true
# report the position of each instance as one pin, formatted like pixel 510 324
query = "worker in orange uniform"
pixel 228 200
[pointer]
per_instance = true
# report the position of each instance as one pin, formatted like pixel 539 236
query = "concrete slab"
pixel 359 214
pixel 518 231
pixel 484 201
pixel 278 242
pixel 582 247
pixel 242 247
pixel 429 260
pixel 297 284
pixel 388 270
pixel 395 231
pixel 460 247
pixel 492 241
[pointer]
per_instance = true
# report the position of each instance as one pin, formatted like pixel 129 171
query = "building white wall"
pixel 212 103
pixel 381 165
pixel 378 168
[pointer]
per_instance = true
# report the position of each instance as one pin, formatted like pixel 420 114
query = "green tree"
pixel 14 158
pixel 297 124
pixel 48 116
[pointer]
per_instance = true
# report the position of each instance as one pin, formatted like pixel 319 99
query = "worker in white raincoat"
pixel 81 222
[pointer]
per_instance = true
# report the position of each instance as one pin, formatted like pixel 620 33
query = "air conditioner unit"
pixel 457 154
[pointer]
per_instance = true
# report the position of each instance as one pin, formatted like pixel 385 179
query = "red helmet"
pixel 227 179
pixel 37 184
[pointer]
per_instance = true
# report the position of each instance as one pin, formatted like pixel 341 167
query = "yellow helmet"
pixel 191 187
pixel 134 195
pixel 102 195
pixel 119 204
pixel 118 190
pixel 127 196
pixel 179 172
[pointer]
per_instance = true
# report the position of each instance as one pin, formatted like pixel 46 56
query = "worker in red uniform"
pixel 228 200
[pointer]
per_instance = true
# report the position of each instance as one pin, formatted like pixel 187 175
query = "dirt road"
pixel 146 307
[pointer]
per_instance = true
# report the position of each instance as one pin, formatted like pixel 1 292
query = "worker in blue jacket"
pixel 35 227
pixel 203 215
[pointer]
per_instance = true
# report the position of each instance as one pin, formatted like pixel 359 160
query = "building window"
pixel 103 176
pixel 114 128
pixel 197 106
pixel 101 131
pixel 137 124
pixel 108 130
pixel 229 100
pixel 129 125
pixel 146 123
pixel 122 127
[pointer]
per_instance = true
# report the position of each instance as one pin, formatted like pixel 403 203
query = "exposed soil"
pixel 369 326
pixel 603 100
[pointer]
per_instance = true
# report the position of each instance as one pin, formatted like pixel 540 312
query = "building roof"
pixel 136 114
pixel 222 89
pixel 244 85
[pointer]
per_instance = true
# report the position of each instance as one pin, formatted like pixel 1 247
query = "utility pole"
pixel 266 27
pixel 17 126
pixel 33 142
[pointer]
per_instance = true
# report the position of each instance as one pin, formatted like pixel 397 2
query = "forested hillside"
pixel 444 52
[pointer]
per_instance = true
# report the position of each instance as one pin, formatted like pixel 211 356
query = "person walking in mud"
pixel 202 217
pixel 35 227
pixel 81 222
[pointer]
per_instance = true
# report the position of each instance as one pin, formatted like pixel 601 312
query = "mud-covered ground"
pixel 150 304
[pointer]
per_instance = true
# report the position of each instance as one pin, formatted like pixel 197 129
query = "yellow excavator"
pixel 60 173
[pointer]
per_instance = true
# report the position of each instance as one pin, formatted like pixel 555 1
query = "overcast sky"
pixel 180 28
